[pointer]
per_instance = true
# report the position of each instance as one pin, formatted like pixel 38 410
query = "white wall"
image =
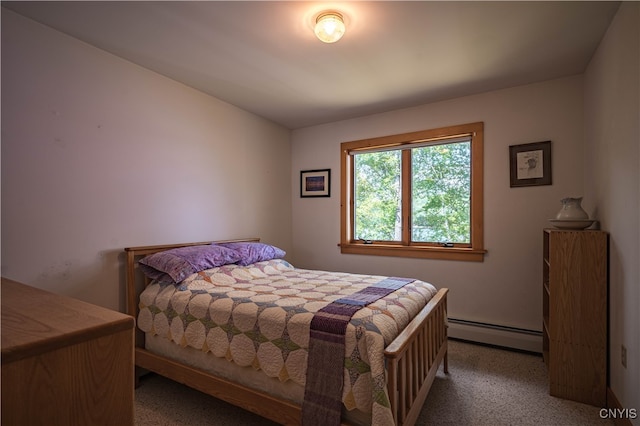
pixel 612 183
pixel 506 288
pixel 99 154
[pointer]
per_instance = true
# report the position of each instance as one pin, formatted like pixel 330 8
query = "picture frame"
pixel 315 183
pixel 530 164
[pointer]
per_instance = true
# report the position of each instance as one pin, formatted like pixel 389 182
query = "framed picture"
pixel 315 183
pixel 530 164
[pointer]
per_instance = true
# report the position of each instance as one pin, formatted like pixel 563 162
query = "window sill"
pixel 448 253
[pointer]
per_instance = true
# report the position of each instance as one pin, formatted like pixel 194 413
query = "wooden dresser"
pixel 64 361
pixel 575 309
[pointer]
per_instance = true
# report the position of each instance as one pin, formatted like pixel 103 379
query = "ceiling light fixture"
pixel 329 27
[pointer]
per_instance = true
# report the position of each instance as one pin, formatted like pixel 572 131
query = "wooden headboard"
pixel 136 282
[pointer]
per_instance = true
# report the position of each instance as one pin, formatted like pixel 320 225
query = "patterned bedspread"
pixel 259 316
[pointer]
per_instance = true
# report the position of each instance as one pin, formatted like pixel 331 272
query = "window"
pixel 414 195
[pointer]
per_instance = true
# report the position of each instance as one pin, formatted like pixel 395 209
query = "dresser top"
pixel 35 321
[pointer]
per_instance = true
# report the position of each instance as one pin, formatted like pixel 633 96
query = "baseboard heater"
pixel 498 335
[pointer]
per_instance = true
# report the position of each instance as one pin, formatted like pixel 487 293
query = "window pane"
pixel 441 191
pixel 377 204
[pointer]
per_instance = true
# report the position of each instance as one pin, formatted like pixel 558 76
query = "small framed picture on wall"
pixel 530 164
pixel 315 183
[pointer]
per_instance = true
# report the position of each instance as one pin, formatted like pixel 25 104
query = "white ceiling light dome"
pixel 329 27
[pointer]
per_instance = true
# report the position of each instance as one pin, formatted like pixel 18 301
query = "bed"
pixel 391 346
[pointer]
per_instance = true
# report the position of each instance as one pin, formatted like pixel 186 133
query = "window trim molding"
pixel 473 253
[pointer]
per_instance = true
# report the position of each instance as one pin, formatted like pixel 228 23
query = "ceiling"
pixel 263 56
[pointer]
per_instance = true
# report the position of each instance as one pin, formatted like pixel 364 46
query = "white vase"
pixel 572 210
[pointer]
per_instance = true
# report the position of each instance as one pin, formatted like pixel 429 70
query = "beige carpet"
pixel 485 386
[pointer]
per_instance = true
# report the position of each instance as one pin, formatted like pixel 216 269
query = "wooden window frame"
pixel 467 252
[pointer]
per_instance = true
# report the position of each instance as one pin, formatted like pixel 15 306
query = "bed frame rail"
pixel 263 404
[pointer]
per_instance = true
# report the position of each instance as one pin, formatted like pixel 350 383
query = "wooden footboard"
pixel 412 358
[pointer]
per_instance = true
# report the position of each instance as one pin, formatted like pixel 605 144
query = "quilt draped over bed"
pixel 322 403
pixel 260 316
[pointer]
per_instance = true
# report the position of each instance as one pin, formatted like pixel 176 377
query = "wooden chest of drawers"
pixel 64 361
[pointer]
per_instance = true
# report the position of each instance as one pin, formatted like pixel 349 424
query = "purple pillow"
pixel 177 264
pixel 254 252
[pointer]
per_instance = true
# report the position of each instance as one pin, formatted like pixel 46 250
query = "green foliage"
pixel 441 194
pixel 378 196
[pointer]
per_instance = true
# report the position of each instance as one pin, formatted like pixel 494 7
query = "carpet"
pixel 485 386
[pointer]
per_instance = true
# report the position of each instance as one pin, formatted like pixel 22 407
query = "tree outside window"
pixel 415 195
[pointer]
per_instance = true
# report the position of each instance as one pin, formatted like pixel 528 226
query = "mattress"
pixel 250 324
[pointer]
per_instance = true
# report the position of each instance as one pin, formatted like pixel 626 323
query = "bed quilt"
pixel 259 316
